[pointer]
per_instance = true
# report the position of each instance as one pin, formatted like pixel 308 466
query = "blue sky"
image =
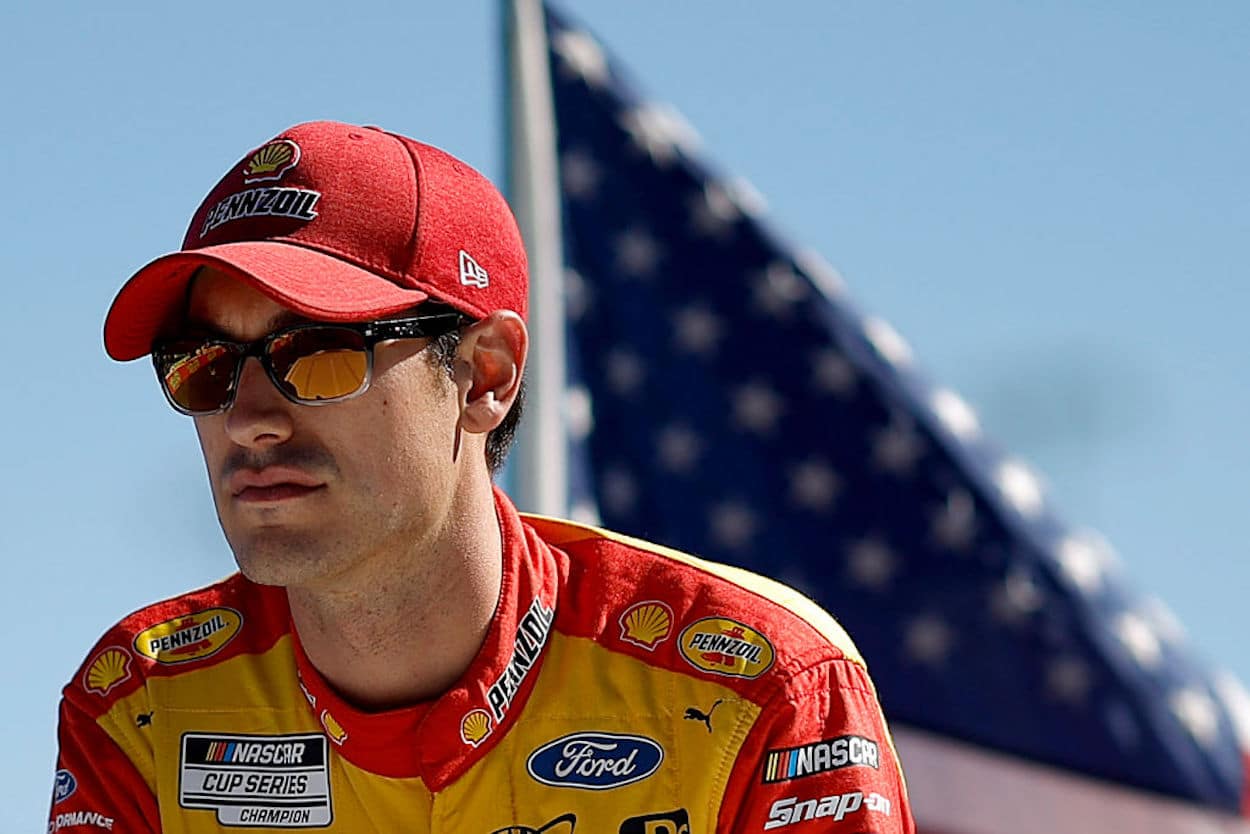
pixel 1049 201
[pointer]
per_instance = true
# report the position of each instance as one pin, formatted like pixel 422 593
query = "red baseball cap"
pixel 338 223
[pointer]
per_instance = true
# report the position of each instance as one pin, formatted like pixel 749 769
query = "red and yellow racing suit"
pixel 621 687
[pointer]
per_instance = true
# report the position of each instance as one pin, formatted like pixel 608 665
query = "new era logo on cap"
pixel 471 273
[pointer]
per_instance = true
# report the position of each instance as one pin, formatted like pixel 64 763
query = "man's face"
pixel 308 494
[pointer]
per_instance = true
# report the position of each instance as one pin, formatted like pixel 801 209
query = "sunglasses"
pixel 311 364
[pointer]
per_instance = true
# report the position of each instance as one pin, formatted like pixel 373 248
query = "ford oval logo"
pixel 595 761
pixel 65 785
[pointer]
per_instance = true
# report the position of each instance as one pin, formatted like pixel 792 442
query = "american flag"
pixel 728 399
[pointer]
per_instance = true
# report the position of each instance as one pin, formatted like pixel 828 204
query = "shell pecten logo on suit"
pixel 647 624
pixel 726 647
pixel 106 670
pixel 189 637
pixel 475 727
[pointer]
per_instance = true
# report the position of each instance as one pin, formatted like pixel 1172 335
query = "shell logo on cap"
pixel 109 668
pixel 272 161
pixel 189 637
pixel 333 728
pixel 726 647
pixel 647 624
pixel 475 727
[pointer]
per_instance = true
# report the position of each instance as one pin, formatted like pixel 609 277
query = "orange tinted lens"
pixel 320 363
pixel 198 376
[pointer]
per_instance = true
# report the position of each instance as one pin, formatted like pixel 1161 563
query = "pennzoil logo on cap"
pixel 266 201
pixel 272 161
pixel 189 637
pixel 107 669
pixel 726 647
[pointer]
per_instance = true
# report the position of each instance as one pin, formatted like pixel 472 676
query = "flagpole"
pixel 539 467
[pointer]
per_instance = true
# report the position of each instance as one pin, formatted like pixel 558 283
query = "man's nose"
pixel 260 416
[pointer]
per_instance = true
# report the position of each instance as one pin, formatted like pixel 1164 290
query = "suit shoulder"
pixel 713 610
pixel 191 630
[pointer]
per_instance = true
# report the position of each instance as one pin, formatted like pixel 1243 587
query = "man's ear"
pixel 489 364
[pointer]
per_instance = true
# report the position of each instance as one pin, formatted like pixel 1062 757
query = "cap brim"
pixel 309 282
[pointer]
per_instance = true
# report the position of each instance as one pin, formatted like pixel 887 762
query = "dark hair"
pixel 500 438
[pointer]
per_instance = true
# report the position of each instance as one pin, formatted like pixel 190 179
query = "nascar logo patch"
pixel 257 781
pixel 821 757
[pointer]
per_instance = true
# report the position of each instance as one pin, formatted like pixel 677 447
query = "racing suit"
pixel 622 687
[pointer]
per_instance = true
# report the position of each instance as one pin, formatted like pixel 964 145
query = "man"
pixel 402 650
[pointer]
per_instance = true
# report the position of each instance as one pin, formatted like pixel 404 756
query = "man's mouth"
pixel 277 492
pixel 271 484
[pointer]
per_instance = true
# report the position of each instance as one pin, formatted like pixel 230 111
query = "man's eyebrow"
pixel 285 318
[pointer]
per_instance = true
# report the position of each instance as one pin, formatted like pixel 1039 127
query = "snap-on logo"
pixel 595 761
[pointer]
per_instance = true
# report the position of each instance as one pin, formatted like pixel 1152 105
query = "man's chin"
pixel 269 559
